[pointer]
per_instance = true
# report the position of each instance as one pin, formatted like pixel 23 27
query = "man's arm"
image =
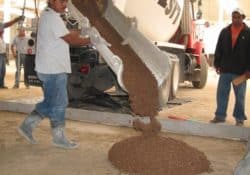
pixel 73 38
pixel 10 23
pixel 13 49
pixel 218 54
pixel 238 80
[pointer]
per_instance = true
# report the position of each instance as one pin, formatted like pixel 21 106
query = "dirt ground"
pixel 91 158
pixel 202 103
pixel 19 157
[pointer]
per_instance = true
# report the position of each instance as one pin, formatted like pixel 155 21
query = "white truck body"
pixel 147 26
pixel 157 22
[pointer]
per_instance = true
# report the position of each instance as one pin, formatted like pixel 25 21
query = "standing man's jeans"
pixel 55 99
pixel 2 69
pixel 18 69
pixel 223 91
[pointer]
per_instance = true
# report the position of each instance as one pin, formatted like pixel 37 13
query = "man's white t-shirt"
pixel 2 43
pixel 52 52
pixel 2 46
pixel 21 44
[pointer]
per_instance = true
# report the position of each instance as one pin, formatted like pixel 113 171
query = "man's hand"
pixel 247 73
pixel 20 18
pixel 217 69
pixel 7 62
pixel 14 55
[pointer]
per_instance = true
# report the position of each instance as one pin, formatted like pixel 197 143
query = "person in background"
pixel 3 50
pixel 52 64
pixel 232 58
pixel 2 61
pixel 19 48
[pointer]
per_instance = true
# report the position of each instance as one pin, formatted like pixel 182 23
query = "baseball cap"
pixel 240 11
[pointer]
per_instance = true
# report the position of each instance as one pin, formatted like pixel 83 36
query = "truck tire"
pixel 175 79
pixel 75 91
pixel 203 74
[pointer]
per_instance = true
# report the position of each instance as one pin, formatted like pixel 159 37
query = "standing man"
pixel 19 49
pixel 3 50
pixel 2 61
pixel 232 58
pixel 52 66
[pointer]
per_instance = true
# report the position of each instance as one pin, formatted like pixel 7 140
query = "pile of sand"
pixel 157 156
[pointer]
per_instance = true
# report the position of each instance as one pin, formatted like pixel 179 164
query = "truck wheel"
pixel 203 74
pixel 74 87
pixel 175 79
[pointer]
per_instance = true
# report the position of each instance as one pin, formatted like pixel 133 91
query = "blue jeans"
pixel 55 99
pixel 2 69
pixel 223 91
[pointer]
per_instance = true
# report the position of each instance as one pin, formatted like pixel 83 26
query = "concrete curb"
pixel 187 127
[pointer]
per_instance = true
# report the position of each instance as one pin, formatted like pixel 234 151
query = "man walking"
pixel 52 66
pixel 19 49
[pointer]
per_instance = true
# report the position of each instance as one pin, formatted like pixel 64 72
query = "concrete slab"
pixel 187 127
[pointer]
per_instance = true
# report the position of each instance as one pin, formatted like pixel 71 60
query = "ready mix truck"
pixel 170 25
pixel 161 32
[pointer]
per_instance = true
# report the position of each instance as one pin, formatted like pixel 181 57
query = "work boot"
pixel 239 123
pixel 59 139
pixel 217 120
pixel 28 125
pixel 15 86
pixel 3 87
